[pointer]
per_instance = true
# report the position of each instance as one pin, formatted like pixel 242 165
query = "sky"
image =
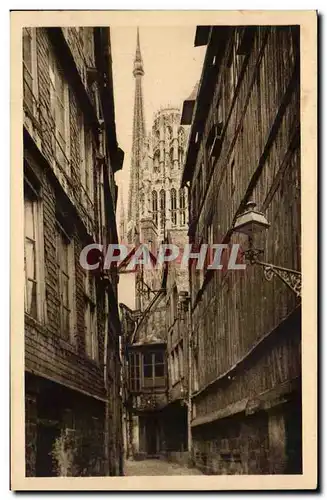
pixel 172 66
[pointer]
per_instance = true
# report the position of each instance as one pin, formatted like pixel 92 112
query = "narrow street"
pixel 156 467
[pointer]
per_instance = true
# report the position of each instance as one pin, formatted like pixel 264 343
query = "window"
pixel 180 157
pixel 86 157
pixel 91 336
pixel 162 207
pixel 156 158
pixel 171 157
pixel 32 255
pixel 214 142
pixel 134 371
pixel 155 207
pixel 169 133
pixel 173 206
pixel 65 262
pixel 182 207
pixel 153 369
pixel 60 112
pixel 29 68
pixel 181 137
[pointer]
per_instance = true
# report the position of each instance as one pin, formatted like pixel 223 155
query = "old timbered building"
pixel 72 362
pixel 246 331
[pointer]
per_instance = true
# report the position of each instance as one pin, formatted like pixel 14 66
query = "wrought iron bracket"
pixel 291 278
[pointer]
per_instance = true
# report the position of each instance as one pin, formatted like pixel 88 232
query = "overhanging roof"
pixel 201 35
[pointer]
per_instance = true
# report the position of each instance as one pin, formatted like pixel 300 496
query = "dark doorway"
pixel 293 427
pixel 151 436
pixel 46 436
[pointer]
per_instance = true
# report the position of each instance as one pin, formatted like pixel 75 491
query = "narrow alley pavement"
pixel 156 467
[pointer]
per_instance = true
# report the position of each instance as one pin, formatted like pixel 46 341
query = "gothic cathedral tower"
pixel 137 148
pixel 156 168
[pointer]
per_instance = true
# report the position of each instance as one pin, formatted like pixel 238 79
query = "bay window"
pixel 146 370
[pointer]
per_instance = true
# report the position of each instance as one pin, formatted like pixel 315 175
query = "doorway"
pixel 152 437
pixel 46 436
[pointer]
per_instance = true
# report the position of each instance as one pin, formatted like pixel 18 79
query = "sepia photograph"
pixel 161 230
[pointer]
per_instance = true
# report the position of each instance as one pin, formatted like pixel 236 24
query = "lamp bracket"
pixel 291 278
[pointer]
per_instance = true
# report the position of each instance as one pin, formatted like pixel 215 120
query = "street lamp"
pixel 250 222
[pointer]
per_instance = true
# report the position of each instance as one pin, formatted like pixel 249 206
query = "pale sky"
pixel 172 66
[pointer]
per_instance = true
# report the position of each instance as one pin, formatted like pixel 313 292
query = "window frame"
pixel 62 151
pixel 33 72
pixel 152 381
pixel 63 237
pixel 37 209
pixel 90 318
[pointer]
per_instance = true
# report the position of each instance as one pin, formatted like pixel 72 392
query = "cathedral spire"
pixel 138 63
pixel 137 147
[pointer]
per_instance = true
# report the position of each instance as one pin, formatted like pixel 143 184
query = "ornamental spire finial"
pixel 138 63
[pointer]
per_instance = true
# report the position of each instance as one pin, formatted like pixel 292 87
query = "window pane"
pixel 31 298
pixel 147 370
pixel 159 357
pixel 29 219
pixel 147 359
pixel 65 322
pixel 64 255
pixel 65 291
pixel 159 370
pixel 30 259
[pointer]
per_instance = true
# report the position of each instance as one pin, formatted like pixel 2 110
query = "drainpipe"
pixel 105 373
pixel 185 301
pixel 189 379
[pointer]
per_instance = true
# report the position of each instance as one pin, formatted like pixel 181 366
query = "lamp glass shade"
pixel 251 221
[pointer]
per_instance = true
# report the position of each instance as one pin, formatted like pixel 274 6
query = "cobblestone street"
pixel 157 468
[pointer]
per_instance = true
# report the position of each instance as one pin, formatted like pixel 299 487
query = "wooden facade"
pixel 246 332
pixel 72 362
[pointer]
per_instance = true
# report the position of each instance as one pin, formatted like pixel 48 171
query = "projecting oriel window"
pixel 153 369
pixel 146 370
